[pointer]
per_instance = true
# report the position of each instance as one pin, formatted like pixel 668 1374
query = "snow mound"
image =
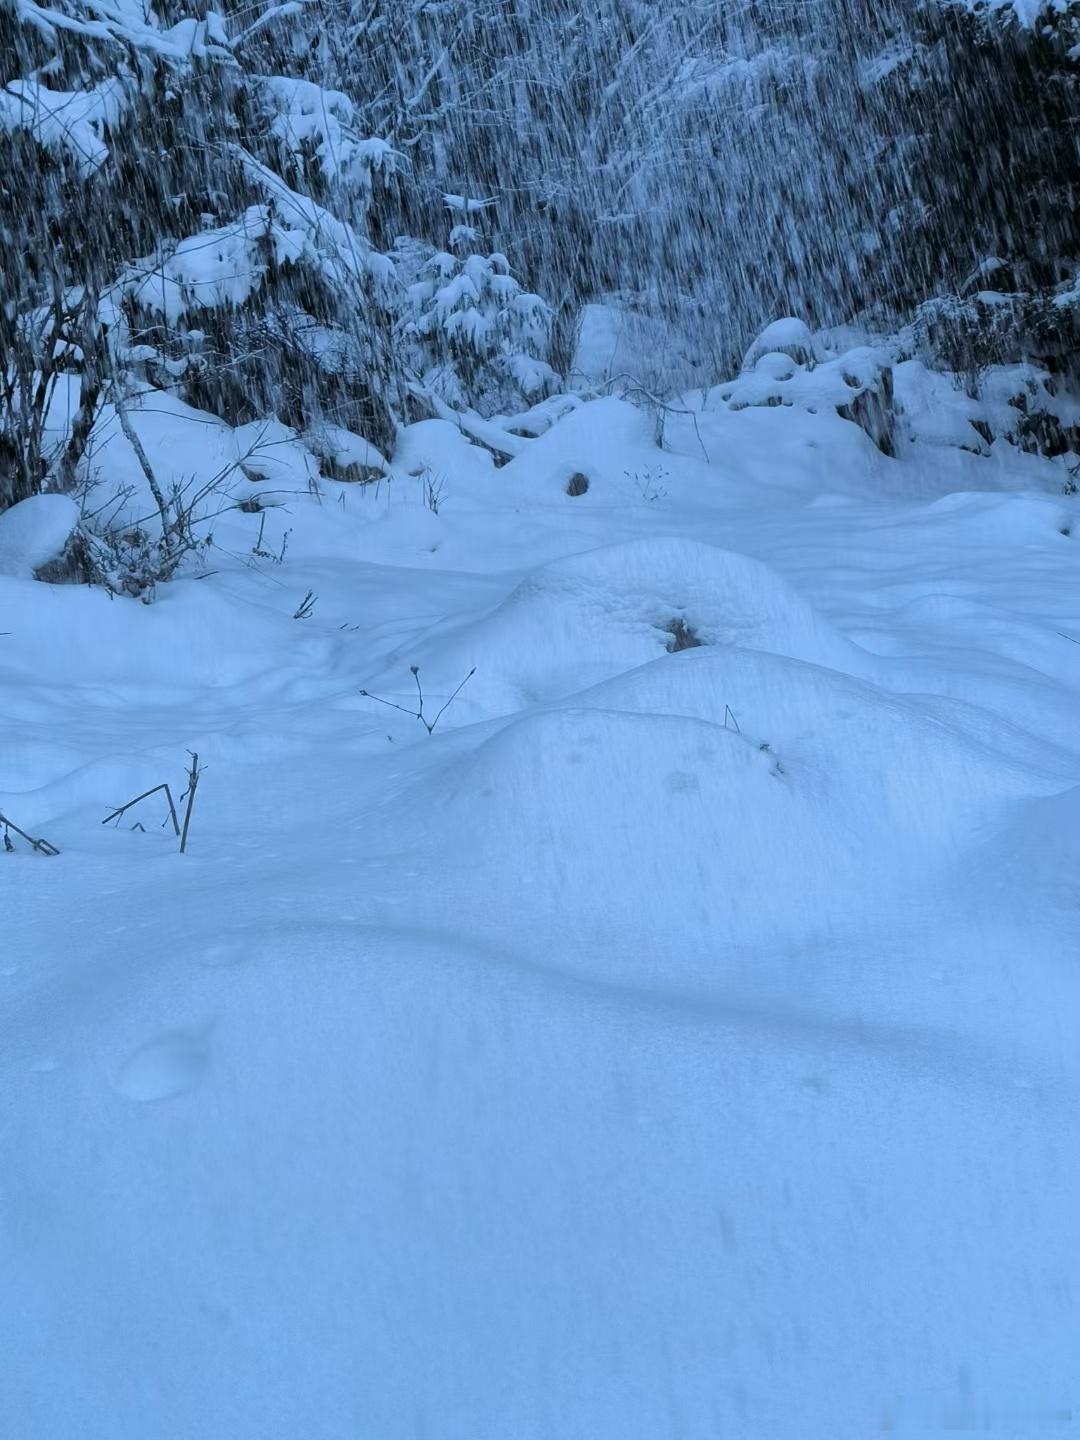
pixel 614 428
pixel 739 799
pixel 440 447
pixel 788 336
pixel 943 778
pixel 570 813
pixel 35 531
pixel 777 375
pixel 269 450
pixel 577 621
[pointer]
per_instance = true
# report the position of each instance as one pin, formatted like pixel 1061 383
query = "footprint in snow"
pixel 225 954
pixel 681 782
pixel 172 1063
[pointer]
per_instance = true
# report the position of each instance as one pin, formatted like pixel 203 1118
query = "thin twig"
pixel 662 405
pixel 41 846
pixel 449 702
pixel 189 794
pixel 115 815
pixel 390 703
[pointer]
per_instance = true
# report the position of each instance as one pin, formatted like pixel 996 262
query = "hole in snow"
pixel 680 635
pixel 169 1064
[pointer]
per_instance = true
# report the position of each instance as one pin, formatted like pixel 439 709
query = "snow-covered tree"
pixel 479 339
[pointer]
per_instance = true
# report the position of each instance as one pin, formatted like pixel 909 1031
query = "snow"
pixel 673 1041
pixel 35 531
pixel 342 253
pixel 934 410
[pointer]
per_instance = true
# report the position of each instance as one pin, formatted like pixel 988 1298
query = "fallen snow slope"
pixel 669 1044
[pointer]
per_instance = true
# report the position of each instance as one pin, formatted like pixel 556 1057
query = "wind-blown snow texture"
pixel 678 1041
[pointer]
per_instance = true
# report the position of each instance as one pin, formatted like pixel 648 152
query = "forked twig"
pixel 115 815
pixel 418 714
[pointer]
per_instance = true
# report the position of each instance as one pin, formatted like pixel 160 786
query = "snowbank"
pixel 34 532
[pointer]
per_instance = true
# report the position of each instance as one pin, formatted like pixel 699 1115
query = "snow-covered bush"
pixel 968 333
pixel 480 338
pixel 941 382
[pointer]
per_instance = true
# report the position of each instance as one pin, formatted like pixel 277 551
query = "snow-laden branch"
pixel 275 12
pixel 72 120
pixel 346 258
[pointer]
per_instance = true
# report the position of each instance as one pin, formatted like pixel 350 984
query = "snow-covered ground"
pixel 680 1040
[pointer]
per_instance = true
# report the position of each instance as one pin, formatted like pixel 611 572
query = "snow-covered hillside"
pixel 678 1040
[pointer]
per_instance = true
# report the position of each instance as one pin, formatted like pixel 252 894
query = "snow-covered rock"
pixel 790 336
pixel 776 364
pixel 856 383
pixel 345 456
pixel 35 532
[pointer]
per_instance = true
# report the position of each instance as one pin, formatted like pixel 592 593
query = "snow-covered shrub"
pixel 345 456
pixel 956 392
pixel 968 333
pixel 1023 339
pixel 481 339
